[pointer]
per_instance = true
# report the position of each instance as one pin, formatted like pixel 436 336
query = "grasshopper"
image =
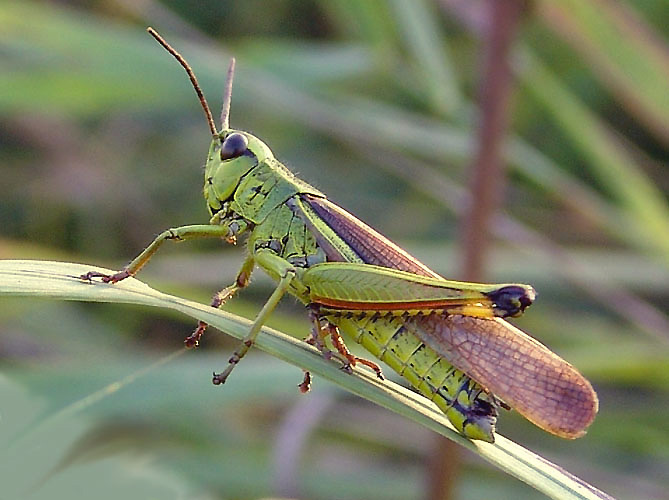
pixel 449 339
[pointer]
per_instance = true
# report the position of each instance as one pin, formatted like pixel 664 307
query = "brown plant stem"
pixel 486 190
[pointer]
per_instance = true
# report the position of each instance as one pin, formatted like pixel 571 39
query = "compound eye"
pixel 234 145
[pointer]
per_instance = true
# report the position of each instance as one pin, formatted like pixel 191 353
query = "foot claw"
pixel 305 385
pixel 346 367
pixel 193 340
pixel 92 274
pixel 218 379
pixel 105 278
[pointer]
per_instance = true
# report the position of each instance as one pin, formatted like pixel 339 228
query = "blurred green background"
pixel 101 147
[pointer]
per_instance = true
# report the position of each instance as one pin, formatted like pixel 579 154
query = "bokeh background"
pixel 102 144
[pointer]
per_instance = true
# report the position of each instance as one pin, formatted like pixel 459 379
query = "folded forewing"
pixel 513 366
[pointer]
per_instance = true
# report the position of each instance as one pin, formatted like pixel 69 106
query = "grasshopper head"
pixel 231 155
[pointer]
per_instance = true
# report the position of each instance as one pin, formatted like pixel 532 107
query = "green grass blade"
pixel 419 23
pixel 625 54
pixel 59 280
pixel 47 462
pixel 613 166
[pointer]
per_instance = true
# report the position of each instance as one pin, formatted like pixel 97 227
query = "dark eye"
pixel 234 145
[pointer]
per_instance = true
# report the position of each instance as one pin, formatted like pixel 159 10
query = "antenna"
pixel 191 75
pixel 227 96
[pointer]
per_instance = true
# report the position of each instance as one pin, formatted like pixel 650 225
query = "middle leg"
pixel 221 297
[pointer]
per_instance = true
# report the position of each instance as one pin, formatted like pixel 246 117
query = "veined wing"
pixel 510 364
pixel 515 367
pixel 367 245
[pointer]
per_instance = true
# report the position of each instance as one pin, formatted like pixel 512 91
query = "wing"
pixel 515 367
pixel 368 245
pixel 510 364
pixel 354 286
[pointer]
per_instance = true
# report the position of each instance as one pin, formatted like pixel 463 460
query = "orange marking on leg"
pixel 305 385
pixel 219 298
pixel 372 365
pixel 339 344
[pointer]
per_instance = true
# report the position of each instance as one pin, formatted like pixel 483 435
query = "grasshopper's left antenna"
pixel 227 96
pixel 191 75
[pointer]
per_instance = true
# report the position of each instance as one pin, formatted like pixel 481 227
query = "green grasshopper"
pixel 447 338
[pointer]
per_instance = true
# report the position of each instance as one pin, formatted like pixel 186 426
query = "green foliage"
pixel 46 458
pixel 374 103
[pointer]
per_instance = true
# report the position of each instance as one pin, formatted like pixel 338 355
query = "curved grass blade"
pixel 58 280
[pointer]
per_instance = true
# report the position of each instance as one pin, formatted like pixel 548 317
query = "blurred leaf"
pixel 615 169
pixel 626 55
pixel 418 22
pixel 369 21
pixel 36 460
pixel 70 81
pixel 309 64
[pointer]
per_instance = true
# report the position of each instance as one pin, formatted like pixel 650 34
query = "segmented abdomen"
pixel 470 409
